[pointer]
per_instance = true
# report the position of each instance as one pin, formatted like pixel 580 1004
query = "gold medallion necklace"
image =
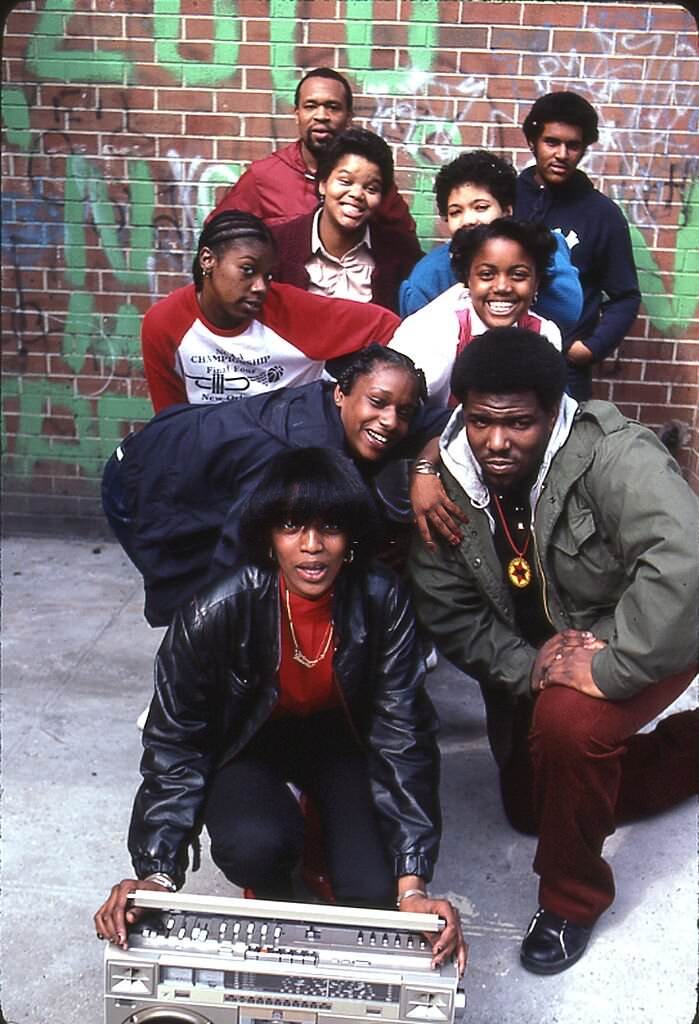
pixel 299 656
pixel 519 571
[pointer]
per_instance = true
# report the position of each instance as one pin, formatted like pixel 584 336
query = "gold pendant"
pixel 519 572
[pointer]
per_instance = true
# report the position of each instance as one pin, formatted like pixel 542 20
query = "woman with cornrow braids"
pixel 234 333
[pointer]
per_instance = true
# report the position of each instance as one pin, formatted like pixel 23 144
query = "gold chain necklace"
pixel 299 656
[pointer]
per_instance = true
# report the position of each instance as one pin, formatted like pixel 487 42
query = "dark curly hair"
pixel 535 239
pixel 565 107
pixel 479 167
pixel 224 230
pixel 510 360
pixel 302 486
pixel 362 143
pixel 367 360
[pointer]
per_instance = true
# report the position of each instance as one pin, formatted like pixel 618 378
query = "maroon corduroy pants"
pixel 579 768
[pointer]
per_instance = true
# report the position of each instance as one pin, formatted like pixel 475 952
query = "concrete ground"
pixel 76 674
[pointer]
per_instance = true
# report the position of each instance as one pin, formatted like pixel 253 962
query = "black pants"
pixel 256 825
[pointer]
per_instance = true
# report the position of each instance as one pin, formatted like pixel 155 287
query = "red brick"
pixel 14 46
pixel 199 28
pixel 142 123
pixel 93 26
pixel 566 41
pixel 640 391
pixel 139 26
pixel 530 40
pixel 66 97
pixel 387 10
pixel 445 63
pixel 211 124
pixel 684 394
pixel 502 137
pixel 483 13
pixel 254 54
pixel 258 78
pixel 185 148
pixel 241 102
pixel 622 368
pixel 30 365
pixel 670 18
pixel 93 386
pixel 125 98
pixel 256 30
pixel 482 64
pixel 332 33
pixel 554 14
pixel 319 56
pixel 188 100
pixel 667 372
pixel 687 351
pixel 14 71
pixel 136 50
pixel 245 150
pixel 611 16
pixel 155 74
pixel 678 69
pixel 659 414
pixel 20 23
pixel 635 348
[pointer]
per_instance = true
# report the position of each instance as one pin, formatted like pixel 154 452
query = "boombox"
pixel 209 960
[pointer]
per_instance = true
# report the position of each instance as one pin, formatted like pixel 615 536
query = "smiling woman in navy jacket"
pixel 339 250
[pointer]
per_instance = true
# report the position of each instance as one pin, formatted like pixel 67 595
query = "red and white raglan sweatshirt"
pixel 188 359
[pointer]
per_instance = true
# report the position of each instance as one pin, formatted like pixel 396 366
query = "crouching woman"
pixel 303 666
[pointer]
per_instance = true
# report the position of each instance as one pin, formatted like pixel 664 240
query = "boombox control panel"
pixel 207 960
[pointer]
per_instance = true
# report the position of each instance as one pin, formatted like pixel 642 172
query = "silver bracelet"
pixel 423 467
pixel 160 878
pixel 408 893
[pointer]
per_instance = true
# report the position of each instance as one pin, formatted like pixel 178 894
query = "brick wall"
pixel 124 120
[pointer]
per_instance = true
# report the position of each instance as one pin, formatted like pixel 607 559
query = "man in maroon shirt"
pixel 283 185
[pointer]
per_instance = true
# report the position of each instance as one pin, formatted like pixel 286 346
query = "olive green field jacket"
pixel 616 538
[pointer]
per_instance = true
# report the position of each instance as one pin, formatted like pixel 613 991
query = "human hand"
pixel 579 354
pixel 112 918
pixel 572 667
pixel 433 508
pixel 447 943
pixel 553 651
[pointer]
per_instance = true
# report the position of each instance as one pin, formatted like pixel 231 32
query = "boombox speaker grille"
pixel 165 1015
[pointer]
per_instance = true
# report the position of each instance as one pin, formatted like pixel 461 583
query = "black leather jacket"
pixel 216 683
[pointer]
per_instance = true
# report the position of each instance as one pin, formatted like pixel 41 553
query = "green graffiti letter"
pixel 671 311
pixel 47 60
pixel 167 27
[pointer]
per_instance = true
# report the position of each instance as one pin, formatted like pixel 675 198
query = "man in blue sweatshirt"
pixel 559 128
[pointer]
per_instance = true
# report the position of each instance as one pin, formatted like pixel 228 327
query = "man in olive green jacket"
pixel 570 591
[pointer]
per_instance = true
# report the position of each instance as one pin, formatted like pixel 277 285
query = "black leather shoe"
pixel 552 944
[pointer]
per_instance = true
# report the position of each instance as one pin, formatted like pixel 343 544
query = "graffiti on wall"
pixel 146 219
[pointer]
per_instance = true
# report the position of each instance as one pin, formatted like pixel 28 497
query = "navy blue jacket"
pixel 187 475
pixel 600 247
